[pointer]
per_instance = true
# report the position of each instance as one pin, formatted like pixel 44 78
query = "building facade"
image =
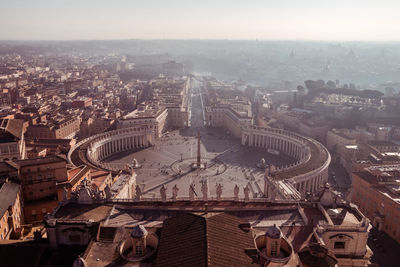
pixel 39 178
pixel 175 236
pixel 227 118
pixel 66 128
pixel 11 215
pixel 376 190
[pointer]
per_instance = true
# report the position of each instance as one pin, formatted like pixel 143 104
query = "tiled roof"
pixel 183 242
pixel 39 160
pixel 193 240
pixel 7 167
pixel 227 242
pixel 366 176
pixel 75 211
pixel 13 126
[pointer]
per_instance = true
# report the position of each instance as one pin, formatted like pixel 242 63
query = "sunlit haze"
pixel 179 19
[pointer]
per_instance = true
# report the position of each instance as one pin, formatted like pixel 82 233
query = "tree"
pixel 331 84
pixel 301 89
pixel 310 85
pixel 389 91
pixel 320 84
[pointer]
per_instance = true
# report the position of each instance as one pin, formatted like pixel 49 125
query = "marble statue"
pixel 138 193
pixel 85 193
pixel 163 193
pixel 219 192
pixel 236 192
pixel 204 190
pixel 97 194
pixel 262 163
pixel 175 190
pixel 107 192
pixel 246 191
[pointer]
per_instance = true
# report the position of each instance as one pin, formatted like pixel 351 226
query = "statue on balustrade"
pixel 138 193
pixel 204 190
pixel 246 191
pixel 219 192
pixel 236 193
pixel 98 195
pixel 175 190
pixel 107 192
pixel 163 193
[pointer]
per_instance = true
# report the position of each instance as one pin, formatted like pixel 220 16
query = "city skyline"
pixel 235 20
pixel 199 133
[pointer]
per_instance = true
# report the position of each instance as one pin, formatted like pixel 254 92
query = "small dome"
pixel 138 231
pixel 273 232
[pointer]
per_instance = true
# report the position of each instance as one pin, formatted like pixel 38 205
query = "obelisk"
pixel 198 150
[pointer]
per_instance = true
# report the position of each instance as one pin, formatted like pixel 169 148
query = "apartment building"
pixel 376 190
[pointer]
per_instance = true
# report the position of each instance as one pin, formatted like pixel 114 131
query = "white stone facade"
pixel 227 118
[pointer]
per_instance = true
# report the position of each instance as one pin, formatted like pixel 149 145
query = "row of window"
pixel 368 207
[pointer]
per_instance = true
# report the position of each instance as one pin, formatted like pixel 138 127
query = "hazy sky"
pixel 200 19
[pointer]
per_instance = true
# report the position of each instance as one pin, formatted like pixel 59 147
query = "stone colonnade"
pixel 116 142
pixel 299 148
pixel 285 144
pixel 102 145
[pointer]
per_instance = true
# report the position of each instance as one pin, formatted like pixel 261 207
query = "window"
pixel 339 245
pixel 139 249
pixel 274 248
